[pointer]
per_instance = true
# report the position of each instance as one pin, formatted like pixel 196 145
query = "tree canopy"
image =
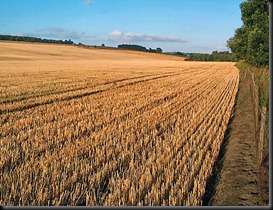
pixel 251 41
pixel 139 48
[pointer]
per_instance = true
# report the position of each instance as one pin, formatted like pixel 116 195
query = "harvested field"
pixel 109 127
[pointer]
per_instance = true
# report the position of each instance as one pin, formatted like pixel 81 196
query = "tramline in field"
pixel 120 129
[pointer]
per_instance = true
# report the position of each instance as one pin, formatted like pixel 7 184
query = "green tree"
pixel 251 41
pixel 159 50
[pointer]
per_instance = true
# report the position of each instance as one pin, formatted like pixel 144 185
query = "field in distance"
pixel 109 127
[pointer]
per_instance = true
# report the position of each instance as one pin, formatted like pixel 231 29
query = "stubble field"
pixel 109 127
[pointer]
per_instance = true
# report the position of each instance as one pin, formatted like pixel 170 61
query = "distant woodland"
pixel 214 56
pixel 139 48
pixel 33 39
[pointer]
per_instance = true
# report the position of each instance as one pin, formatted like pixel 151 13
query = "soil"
pixel 235 177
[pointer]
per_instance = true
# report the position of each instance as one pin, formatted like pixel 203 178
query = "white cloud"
pixel 116 33
pixel 87 2
pixel 120 36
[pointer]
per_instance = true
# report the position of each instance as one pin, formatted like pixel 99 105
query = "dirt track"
pixel 237 181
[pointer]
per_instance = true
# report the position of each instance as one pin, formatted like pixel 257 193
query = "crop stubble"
pixel 104 127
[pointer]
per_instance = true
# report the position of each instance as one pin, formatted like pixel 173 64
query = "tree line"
pixel 177 54
pixel 33 39
pixel 139 48
pixel 214 56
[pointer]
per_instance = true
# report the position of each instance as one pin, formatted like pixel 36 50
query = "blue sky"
pixel 174 25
